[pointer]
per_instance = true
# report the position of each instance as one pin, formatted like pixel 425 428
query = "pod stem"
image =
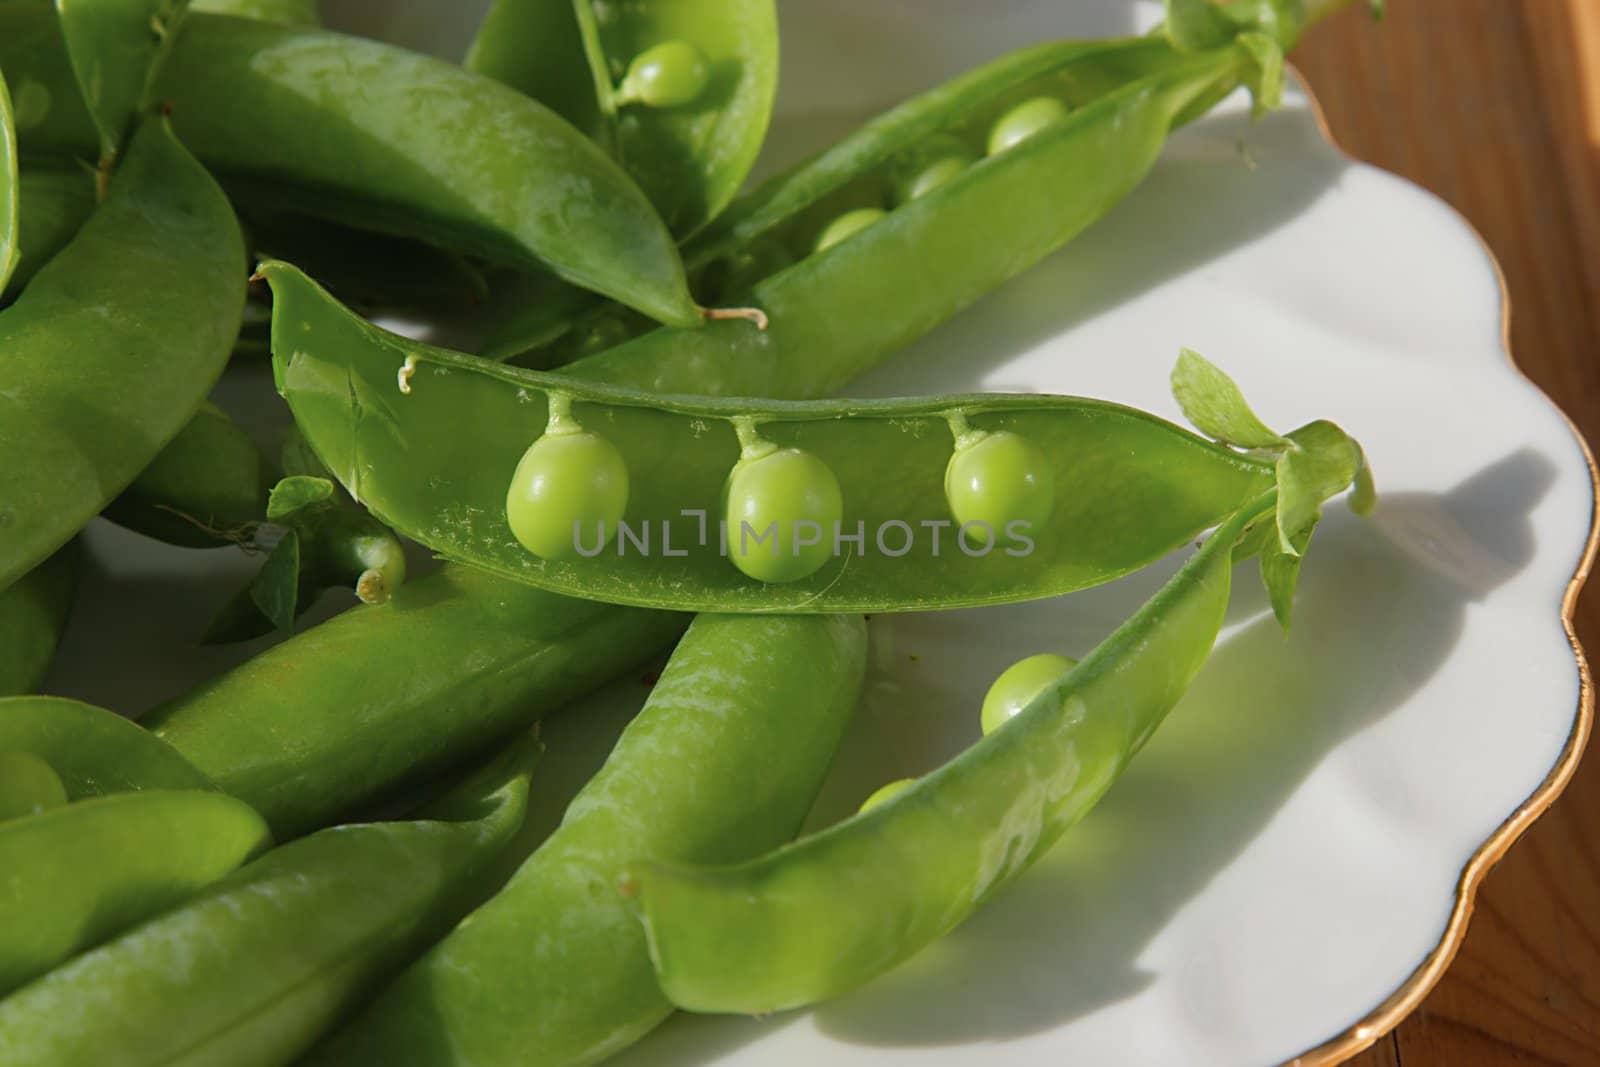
pixel 561 417
pixel 755 315
pixel 963 432
pixel 751 444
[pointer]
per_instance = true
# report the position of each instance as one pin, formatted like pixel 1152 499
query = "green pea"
pixel 924 169
pixel 570 489
pixel 772 497
pixel 671 74
pixel 848 225
pixel 28 785
pixel 886 793
pixel 999 486
pixel 1019 684
pixel 1023 121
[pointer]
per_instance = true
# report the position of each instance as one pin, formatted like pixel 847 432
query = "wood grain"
pixel 1495 106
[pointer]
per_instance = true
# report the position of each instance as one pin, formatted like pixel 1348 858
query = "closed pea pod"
pixel 680 92
pixel 112 45
pixel 141 831
pixel 554 970
pixel 829 530
pixel 320 921
pixel 334 718
pixel 33 612
pixel 113 345
pixel 53 203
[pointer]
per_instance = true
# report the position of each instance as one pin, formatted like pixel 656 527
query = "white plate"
pixel 1289 864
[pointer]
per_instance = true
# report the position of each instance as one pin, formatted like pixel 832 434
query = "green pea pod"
pixel 113 346
pixel 83 872
pixel 9 188
pixel 54 202
pixel 385 697
pixel 286 12
pixel 385 414
pixel 51 117
pixel 913 867
pixel 364 133
pixel 250 972
pixel 96 752
pixel 689 113
pixel 205 488
pixel 112 45
pixel 554 970
pixel 33 611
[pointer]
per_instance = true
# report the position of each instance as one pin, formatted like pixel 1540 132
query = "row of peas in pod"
pixel 783 509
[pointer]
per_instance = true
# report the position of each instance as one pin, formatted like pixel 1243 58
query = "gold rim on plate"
pixel 1403 1001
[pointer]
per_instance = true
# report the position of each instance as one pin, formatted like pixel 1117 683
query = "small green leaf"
pixel 1256 539
pixel 1197 25
pixel 1214 404
pixel 1266 86
pixel 1320 463
pixel 1280 573
pixel 294 497
pixel 276 589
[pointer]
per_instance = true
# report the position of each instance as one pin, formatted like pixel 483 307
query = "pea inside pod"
pixel 680 92
pixel 1129 487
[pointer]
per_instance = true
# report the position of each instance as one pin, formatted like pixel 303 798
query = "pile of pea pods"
pixel 309 860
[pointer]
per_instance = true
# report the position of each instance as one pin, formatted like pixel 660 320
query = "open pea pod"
pixel 33 611
pixel 680 91
pixel 113 346
pixel 1098 490
pixel 917 864
pixel 80 873
pixel 111 45
pixel 93 751
pixel 254 968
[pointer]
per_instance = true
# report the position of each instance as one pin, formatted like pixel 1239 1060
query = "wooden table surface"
pixel 1495 106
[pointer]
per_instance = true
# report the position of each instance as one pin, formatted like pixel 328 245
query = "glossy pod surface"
pixel 724 761
pixel 96 752
pixel 113 346
pixel 1129 488
pixel 681 92
pixel 375 136
pixel 915 865
pixel 317 924
pixel 85 871
pixel 388 696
